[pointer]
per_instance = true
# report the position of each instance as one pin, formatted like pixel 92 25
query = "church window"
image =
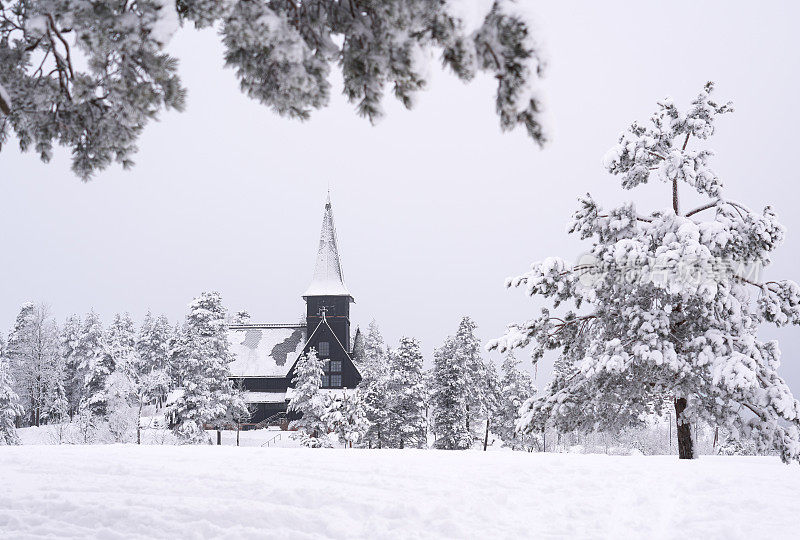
pixel 332 377
pixel 324 349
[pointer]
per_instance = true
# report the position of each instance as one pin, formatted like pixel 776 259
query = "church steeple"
pixel 328 311
pixel 328 279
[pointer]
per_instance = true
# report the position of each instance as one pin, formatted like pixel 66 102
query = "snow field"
pixel 128 491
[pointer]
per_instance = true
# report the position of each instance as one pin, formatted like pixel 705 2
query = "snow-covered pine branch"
pixel 91 75
pixel 663 307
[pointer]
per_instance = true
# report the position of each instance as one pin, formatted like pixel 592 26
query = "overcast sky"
pixel 434 207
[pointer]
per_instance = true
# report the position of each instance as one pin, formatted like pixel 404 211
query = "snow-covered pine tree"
pixel 374 388
pixel 177 348
pixel 666 309
pixel 57 403
pixel 121 338
pixel 74 378
pixel 121 411
pixel 32 350
pixel 359 351
pixel 96 363
pixel 344 416
pixel 153 349
pixel 355 415
pixel 516 387
pixel 10 408
pixel 95 94
pixel 481 377
pixel 207 395
pixel 406 391
pixel 146 373
pixel 307 405
pixel 374 349
pixel 449 396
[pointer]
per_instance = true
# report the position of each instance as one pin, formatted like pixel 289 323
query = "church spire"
pixel 328 277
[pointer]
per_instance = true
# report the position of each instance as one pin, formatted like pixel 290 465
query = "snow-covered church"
pixel 265 354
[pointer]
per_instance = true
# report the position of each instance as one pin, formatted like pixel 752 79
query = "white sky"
pixel 433 207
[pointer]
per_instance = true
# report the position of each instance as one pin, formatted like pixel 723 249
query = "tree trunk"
pixel 670 433
pixel 675 206
pixel 684 431
pixel 139 424
pixel 219 438
pixel 237 433
pixel 486 436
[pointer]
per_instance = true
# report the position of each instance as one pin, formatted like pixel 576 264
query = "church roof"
pixel 328 277
pixel 265 350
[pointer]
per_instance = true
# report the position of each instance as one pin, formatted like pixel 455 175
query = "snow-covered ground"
pixel 120 491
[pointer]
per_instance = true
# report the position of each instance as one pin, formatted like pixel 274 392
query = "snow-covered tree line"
pixel 89 75
pixel 84 373
pixel 469 399
pixel 667 306
pixel 456 404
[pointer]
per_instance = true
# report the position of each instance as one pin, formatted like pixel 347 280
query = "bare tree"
pixel 33 352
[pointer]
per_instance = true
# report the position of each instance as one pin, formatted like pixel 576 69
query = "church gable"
pixel 265 350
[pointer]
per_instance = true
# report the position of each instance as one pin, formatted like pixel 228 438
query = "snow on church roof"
pixel 328 277
pixel 265 350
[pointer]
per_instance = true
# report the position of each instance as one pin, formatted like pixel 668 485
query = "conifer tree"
pixel 10 408
pixel 666 307
pixel 177 345
pixel 516 387
pixel 374 388
pixel 344 416
pixel 449 398
pixel 74 377
pixel 481 376
pixel 121 338
pixel 58 404
pixel 307 406
pixel 153 350
pixel 359 351
pixel 375 353
pixel 207 395
pixel 96 363
pixel 406 391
